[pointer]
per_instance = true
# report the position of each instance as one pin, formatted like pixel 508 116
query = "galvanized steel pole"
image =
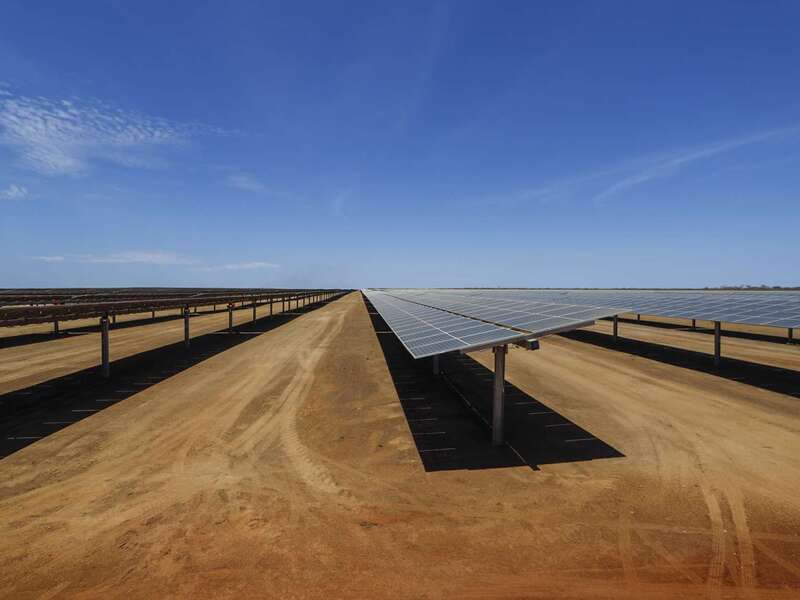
pixel 186 327
pixel 498 404
pixel 104 354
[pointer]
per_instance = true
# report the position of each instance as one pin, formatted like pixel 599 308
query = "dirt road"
pixel 284 468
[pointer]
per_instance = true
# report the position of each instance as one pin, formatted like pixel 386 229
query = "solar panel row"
pixel 775 309
pixel 533 316
pixel 430 322
pixel 426 331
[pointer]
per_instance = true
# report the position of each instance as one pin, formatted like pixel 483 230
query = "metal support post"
pixel 153 315
pixel 435 364
pixel 186 327
pixel 790 335
pixel 694 324
pixel 230 317
pixel 254 311
pixel 55 327
pixel 106 367
pixel 114 318
pixel 498 403
pixel 717 343
pixel 270 307
pixel 616 328
pixel 638 317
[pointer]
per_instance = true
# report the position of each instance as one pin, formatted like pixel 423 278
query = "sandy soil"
pixel 30 364
pixel 782 355
pixel 47 328
pixel 284 468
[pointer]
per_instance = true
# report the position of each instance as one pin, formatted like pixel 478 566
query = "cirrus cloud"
pixel 246 183
pixel 244 266
pixel 123 258
pixel 14 192
pixel 64 136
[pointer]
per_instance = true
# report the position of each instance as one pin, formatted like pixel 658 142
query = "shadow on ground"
pixel 775 379
pixel 25 339
pixel 780 336
pixel 33 413
pixel 449 415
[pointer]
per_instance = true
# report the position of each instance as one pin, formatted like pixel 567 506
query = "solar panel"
pixel 775 309
pixel 426 331
pixel 432 322
pixel 533 316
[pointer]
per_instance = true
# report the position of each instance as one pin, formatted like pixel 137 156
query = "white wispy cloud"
pixel 14 192
pixel 153 257
pixel 49 259
pixel 243 266
pixel 247 183
pixel 667 165
pixel 64 136
pixel 133 257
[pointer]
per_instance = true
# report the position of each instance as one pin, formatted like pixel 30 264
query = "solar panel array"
pixel 770 308
pixel 430 322
pixel 426 331
pixel 531 315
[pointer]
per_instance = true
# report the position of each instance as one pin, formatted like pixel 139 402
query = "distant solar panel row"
pixel 430 322
pixel 775 309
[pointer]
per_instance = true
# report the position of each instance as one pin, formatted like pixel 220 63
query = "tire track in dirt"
pixel 307 463
pixel 745 575
pixel 792 568
pixel 668 557
pixel 716 566
pixel 626 547
pixel 744 541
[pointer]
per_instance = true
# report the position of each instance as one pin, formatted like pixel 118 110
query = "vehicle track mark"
pixel 716 567
pixel 665 554
pixel 626 547
pixel 747 563
pixel 794 569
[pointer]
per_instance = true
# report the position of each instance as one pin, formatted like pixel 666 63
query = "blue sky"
pixel 399 144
